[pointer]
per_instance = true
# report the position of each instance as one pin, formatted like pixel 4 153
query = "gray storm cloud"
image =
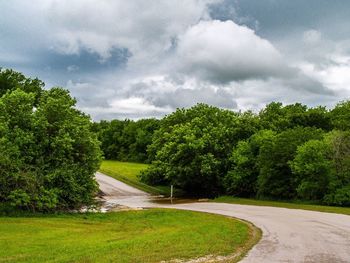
pixel 145 58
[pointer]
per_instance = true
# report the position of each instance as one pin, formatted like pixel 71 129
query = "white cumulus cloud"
pixel 224 51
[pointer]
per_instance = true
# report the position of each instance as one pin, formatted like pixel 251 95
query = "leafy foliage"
pixel 285 152
pixel 313 167
pixel 323 167
pixel 11 80
pixel 48 153
pixel 241 179
pixel 275 177
pixel 126 140
pixel 49 150
pixel 192 146
pixel 277 117
pixel 341 116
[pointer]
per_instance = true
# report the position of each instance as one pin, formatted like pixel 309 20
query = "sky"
pixel 139 59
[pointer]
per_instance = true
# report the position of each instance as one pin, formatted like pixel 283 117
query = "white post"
pixel 171 193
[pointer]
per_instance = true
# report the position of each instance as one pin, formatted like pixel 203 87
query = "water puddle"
pixel 168 201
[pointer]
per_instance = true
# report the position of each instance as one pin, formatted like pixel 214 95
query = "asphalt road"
pixel 289 235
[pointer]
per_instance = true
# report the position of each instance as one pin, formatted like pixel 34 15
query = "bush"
pixel 341 197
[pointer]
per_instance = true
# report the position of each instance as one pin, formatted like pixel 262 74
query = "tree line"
pixel 284 152
pixel 49 150
pixel 126 140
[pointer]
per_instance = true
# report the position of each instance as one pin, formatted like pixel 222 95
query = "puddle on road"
pixel 167 201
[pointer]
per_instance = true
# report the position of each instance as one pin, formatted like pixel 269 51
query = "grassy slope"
pixel 134 236
pixel 127 173
pixel 321 208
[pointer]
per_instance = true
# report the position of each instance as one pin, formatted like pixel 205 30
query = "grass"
pixel 312 207
pixel 124 169
pixel 128 173
pixel 133 236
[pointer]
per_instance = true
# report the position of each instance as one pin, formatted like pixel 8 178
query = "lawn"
pixel 321 208
pixel 133 236
pixel 127 172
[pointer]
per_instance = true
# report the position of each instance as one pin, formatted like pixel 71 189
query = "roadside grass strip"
pixel 296 205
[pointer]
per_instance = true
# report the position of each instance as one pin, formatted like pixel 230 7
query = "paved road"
pixel 289 235
pixel 113 188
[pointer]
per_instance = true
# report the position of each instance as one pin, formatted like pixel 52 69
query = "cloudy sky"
pixel 137 58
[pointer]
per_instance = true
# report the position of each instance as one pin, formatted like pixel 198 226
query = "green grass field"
pixel 124 169
pixel 320 208
pixel 133 236
pixel 127 172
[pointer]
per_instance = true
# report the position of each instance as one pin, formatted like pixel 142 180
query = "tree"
pixel 279 118
pixel 275 176
pixel 17 137
pixel 339 186
pixel 319 117
pixel 11 80
pixel 241 179
pixel 48 153
pixel 126 140
pixel 192 147
pixel 313 169
pixel 340 116
pixel 322 168
pixel 145 129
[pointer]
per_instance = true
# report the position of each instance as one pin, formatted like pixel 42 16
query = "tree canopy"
pixel 126 140
pixel 192 147
pixel 284 152
pixel 48 152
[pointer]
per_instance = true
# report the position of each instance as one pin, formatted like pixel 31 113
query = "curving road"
pixel 289 235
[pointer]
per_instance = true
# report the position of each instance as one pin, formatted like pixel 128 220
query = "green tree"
pixel 313 169
pixel 241 179
pixel 192 147
pixel 145 129
pixel 322 168
pixel 11 80
pixel 339 186
pixel 340 116
pixel 279 118
pixel 275 177
pixel 17 137
pixel 48 153
pixel 69 152
pixel 126 140
pixel 319 117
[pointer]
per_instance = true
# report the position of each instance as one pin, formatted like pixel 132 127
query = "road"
pixel 289 235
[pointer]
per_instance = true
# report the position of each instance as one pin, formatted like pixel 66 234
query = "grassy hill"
pixel 128 172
